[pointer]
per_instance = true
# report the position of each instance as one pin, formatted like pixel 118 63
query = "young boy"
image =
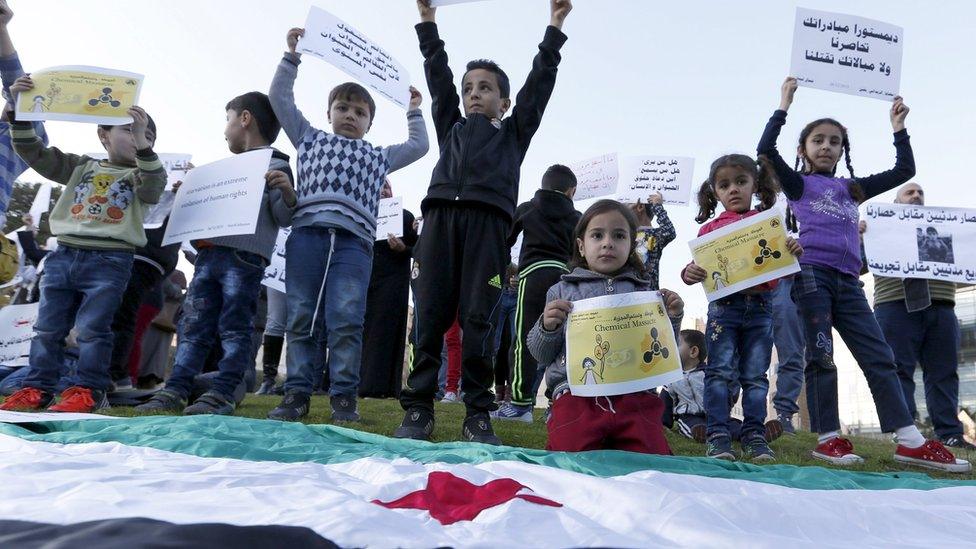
pixel 222 298
pixel 98 222
pixel 547 223
pixel 329 253
pixel 687 395
pixel 463 250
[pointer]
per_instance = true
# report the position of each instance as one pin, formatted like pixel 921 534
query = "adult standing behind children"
pixel 329 253
pixel 463 250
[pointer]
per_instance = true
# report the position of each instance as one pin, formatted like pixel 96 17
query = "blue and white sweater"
pixel 339 179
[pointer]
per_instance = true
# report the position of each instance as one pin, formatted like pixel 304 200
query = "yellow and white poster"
pixel 619 344
pixel 80 94
pixel 744 254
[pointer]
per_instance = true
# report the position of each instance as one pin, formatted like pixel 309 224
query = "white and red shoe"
pixel 932 455
pixel 838 451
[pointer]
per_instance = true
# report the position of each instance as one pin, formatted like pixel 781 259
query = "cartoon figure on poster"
pixel 601 351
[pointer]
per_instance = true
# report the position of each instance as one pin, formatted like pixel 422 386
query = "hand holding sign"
pixel 899 110
pixel 292 39
pixel 787 92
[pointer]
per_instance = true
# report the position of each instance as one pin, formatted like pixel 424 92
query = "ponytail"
pixel 707 201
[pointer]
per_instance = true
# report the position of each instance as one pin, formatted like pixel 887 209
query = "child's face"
pixel 235 132
pixel 734 188
pixel 607 242
pixel 481 94
pixel 386 191
pixel 350 117
pixel 688 362
pixel 119 143
pixel 823 148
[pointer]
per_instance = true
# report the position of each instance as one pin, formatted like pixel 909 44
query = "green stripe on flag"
pixel 265 440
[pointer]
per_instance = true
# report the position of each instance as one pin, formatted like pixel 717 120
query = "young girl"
pixel 603 263
pixel 827 291
pixel 652 240
pixel 739 334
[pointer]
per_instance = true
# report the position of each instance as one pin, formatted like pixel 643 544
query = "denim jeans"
pixel 789 342
pixel 828 299
pixel 81 289
pixel 739 336
pixel 929 337
pixel 14 381
pixel 222 300
pixel 505 313
pixel 328 276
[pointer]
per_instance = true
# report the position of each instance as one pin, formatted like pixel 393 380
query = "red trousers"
pixel 453 342
pixel 630 422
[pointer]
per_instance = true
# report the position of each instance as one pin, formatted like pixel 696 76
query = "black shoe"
pixel 477 428
pixel 344 408
pixel 210 403
pixel 267 387
pixel 418 424
pixel 292 408
pixel 163 401
pixel 786 420
pixel 956 442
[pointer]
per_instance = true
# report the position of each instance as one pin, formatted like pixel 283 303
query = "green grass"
pixel 383 416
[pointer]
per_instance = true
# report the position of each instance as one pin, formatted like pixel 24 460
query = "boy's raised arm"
pixel 444 99
pixel 532 99
pixel 282 92
pixel 150 179
pixel 417 144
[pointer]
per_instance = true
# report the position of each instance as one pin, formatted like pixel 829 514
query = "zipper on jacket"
pixel 609 285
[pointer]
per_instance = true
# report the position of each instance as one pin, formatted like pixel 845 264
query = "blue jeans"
pixel 328 276
pixel 827 300
pixel 789 342
pixel 739 335
pixel 222 299
pixel 505 313
pixel 13 381
pixel 82 289
pixel 929 337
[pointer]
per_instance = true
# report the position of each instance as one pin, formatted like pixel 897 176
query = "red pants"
pixel 629 422
pixel 453 342
pixel 145 317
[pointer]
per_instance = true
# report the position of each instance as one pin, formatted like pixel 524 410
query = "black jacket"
pixel 547 223
pixel 162 257
pixel 478 162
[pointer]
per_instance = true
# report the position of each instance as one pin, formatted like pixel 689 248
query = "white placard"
pixel 389 220
pixel 906 241
pixel 642 176
pixel 331 39
pixel 16 332
pixel 222 198
pixel 595 176
pixel 846 54
pixel 274 273
pixel 42 202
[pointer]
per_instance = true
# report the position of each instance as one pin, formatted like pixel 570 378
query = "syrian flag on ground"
pixel 193 479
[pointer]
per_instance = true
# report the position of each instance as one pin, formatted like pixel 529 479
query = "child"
pixel 739 332
pixel 827 291
pixel 467 213
pixel 546 223
pixel 688 393
pixel 605 263
pixel 329 253
pixel 652 240
pixel 98 222
pixel 222 299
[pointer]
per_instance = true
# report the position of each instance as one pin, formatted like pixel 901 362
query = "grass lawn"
pixel 383 416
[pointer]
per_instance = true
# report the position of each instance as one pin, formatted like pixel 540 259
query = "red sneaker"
pixel 838 451
pixel 932 455
pixel 80 400
pixel 27 399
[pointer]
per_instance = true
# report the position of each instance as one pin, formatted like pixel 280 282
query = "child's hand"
pixel 427 11
pixel 279 180
pixel 555 314
pixel 6 14
pixel 21 85
pixel 656 199
pixel 415 98
pixel 673 302
pixel 786 93
pixel 28 220
pixel 693 274
pixel 396 244
pixel 559 10
pixel 899 110
pixel 862 226
pixel 140 121
pixel 793 246
pixel 292 39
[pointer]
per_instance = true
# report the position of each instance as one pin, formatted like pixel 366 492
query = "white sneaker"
pixel 451 396
pixel 512 412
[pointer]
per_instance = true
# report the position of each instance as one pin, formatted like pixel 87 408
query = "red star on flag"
pixel 450 499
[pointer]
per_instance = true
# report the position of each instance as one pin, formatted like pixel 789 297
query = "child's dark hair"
pixel 761 171
pixel 694 338
pixel 600 207
pixel 151 126
pixel 351 91
pixel 558 178
pixel 259 106
pixel 504 88
pixel 857 193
